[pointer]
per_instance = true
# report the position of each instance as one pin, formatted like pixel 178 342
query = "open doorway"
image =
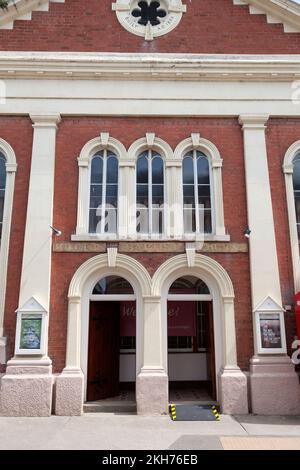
pixel 111 371
pixel 191 352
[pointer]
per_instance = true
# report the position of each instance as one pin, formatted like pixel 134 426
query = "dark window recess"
pixel 149 13
pixel 128 343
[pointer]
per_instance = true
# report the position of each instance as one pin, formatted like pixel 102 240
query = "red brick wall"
pixel 17 131
pixel 209 26
pixel 73 134
pixel 280 134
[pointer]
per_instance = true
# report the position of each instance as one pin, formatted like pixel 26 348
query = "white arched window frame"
pixel 150 145
pixel 106 144
pixel 11 168
pixel 288 169
pixel 197 144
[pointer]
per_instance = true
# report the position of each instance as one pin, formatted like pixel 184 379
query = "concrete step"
pixel 110 407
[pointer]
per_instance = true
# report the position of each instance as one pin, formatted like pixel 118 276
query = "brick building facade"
pixel 210 102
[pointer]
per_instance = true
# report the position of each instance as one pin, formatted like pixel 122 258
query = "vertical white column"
pixel 265 279
pixel 127 222
pixel 152 381
pixel 174 200
pixel 83 197
pixel 36 268
pixel 274 383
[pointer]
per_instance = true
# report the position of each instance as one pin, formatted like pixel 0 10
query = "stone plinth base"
pixel 152 394
pixel 274 386
pixel 233 392
pixel 69 391
pixel 26 389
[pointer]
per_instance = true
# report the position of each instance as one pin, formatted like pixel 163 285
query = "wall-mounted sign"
pixel 31 329
pixel 270 329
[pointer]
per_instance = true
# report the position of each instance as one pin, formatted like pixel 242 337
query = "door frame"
pixel 87 297
pixel 194 298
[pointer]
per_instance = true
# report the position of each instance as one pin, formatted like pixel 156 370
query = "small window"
pixel 103 210
pixel 2 189
pixel 296 184
pixel 113 285
pixel 150 193
pixel 197 210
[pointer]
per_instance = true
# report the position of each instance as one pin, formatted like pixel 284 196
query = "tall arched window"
pixel 150 193
pixel 2 189
pixel 296 185
pixel 103 211
pixel 196 193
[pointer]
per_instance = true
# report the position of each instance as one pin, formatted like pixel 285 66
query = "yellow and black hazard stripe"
pixel 173 412
pixel 216 413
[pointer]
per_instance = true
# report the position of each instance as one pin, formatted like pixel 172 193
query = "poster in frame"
pixel 270 332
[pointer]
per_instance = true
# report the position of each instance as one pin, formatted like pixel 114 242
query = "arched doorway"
pixel 191 352
pixel 111 368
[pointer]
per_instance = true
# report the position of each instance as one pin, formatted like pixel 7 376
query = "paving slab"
pixel 197 442
pixel 260 443
pixel 270 425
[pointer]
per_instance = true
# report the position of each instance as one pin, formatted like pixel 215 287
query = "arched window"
pixel 296 186
pixel 196 193
pixel 2 189
pixel 150 193
pixel 103 210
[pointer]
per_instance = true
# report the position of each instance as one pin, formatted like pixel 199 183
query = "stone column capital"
pixel 253 121
pixel 45 120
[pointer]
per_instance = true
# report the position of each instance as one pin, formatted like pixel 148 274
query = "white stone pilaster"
pixel 127 219
pixel 152 381
pixel 174 200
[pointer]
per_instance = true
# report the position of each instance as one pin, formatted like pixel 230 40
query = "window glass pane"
pixel 188 170
pixel 203 169
pixel 189 220
pixel 205 221
pixel 142 195
pixel 95 221
pixel 142 220
pixel 112 170
pixel 110 225
pixel 96 196
pixel 157 221
pixel 2 172
pixel 97 168
pixel 112 195
pixel 113 285
pixel 297 204
pixel 142 168
pixel 189 285
pixel 158 195
pixel 204 196
pixel 189 195
pixel 296 174
pixel 157 170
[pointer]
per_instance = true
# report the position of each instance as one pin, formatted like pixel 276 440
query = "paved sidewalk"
pixel 109 431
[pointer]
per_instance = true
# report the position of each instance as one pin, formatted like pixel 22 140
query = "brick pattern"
pixel 209 26
pixel 72 134
pixel 17 131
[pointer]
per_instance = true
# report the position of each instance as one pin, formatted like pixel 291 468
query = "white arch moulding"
pixel 196 142
pixel 104 141
pixel 232 382
pixel 71 384
pixel 11 168
pixel 288 169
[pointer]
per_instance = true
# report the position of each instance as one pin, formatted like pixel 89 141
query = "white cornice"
pixel 192 67
pixel 286 12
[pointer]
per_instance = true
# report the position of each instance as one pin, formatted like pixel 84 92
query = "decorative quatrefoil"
pixel 149 13
pixel 149 18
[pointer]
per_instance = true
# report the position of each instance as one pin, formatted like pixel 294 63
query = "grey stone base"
pixel 69 389
pixel 233 392
pixel 26 391
pixel 274 386
pixel 2 350
pixel 152 394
